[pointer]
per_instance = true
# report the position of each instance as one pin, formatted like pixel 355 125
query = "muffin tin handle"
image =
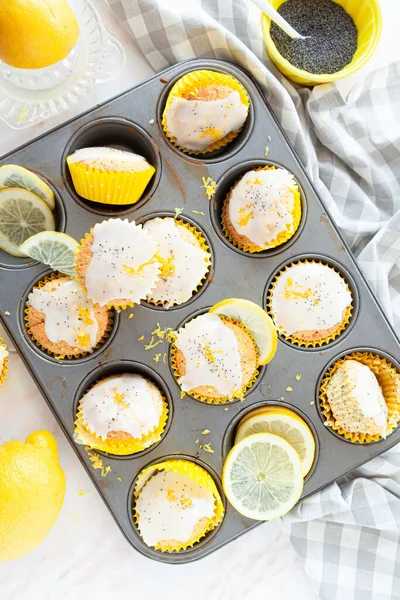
pixel 114 59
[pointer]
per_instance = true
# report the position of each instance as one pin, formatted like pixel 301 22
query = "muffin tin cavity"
pixel 222 153
pixel 118 367
pixel 225 403
pixel 205 281
pixel 230 433
pixel 182 555
pixel 23 326
pixel 113 132
pixel 330 262
pixel 224 185
pixel 8 261
pixel 352 354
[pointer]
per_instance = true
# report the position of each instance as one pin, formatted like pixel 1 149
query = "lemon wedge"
pixel 22 214
pixel 52 248
pixel 257 322
pixel 262 477
pixel 14 176
pixel 288 425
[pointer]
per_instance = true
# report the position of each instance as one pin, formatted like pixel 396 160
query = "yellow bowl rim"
pixel 327 77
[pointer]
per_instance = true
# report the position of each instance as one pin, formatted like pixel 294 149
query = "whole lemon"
pixel 36 33
pixel 32 487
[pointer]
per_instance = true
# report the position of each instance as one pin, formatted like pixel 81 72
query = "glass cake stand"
pixel 31 95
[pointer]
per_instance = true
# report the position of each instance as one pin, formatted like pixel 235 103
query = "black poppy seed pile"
pixel 332 40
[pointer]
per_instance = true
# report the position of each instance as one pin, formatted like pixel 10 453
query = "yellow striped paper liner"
pixel 298 341
pixel 107 186
pixel 193 472
pixel 198 79
pixel 389 380
pixel 3 372
pixel 204 246
pixel 87 436
pixel 80 354
pixel 281 238
pixel 223 399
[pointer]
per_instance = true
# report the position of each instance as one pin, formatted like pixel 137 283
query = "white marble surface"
pixel 85 555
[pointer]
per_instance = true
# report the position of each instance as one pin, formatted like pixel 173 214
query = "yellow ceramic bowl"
pixel 367 17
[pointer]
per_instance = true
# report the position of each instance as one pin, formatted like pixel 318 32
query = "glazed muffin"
pixel 360 397
pixel 185 260
pixel 262 210
pixel 357 400
pixel 176 503
pixel 108 175
pixel 204 111
pixel 214 358
pixel 310 303
pixel 3 361
pixel 62 320
pixel 117 263
pixel 121 414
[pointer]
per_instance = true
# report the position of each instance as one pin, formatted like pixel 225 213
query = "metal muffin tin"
pixel 132 121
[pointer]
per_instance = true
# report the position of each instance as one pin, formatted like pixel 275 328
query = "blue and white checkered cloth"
pixel 348 534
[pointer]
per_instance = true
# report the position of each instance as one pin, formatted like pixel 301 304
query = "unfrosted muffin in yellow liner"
pixel 218 124
pixel 317 316
pixel 115 404
pixel 289 213
pixel 185 259
pixel 108 175
pixel 247 366
pixel 182 502
pixel 389 382
pixel 4 362
pixel 81 316
pixel 117 257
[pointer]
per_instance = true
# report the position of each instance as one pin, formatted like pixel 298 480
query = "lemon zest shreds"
pixel 198 212
pixel 210 186
pixel 119 479
pixel 164 358
pixel 130 316
pixel 298 377
pixel 141 338
pixel 257 181
pixel 152 344
pixel 205 432
pixel 83 339
pixel 82 492
pixel 131 270
pixel 171 336
pixel 85 314
pixel 157 357
pixel 208 448
pixel 178 211
pixel 245 214
pixel 289 389
pixel 266 150
pixel 171 496
pixel 97 463
pixel 119 399
pixel 208 353
pixel 167 266
pixel 215 132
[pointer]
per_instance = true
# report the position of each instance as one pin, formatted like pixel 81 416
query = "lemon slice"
pixel 22 214
pixel 52 248
pixel 262 477
pixel 288 425
pixel 257 322
pixel 14 176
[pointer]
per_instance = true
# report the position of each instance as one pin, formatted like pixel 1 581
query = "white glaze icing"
pixel 196 124
pixel 212 355
pixel 3 356
pixel 169 507
pixel 309 297
pixel 261 205
pixel 109 158
pixel 69 315
pixel 124 264
pixel 186 263
pixel 126 403
pixel 369 394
